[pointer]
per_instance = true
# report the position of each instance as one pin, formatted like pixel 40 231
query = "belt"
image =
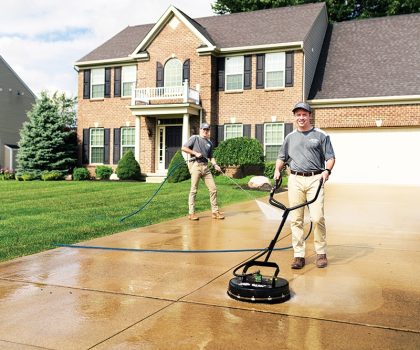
pixel 306 173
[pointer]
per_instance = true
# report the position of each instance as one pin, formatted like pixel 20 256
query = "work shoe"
pixel 218 215
pixel 193 217
pixel 321 260
pixel 298 263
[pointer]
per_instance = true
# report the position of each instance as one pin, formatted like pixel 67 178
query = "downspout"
pixel 303 75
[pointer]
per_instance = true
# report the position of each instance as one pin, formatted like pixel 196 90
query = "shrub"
pixel 103 172
pixel 128 168
pixel 52 175
pixel 80 174
pixel 269 168
pixel 27 176
pixel 178 169
pixel 7 174
pixel 239 151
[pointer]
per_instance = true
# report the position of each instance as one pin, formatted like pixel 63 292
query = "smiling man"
pixel 310 156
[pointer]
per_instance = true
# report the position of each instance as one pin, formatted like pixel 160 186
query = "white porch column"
pixel 137 144
pixel 185 131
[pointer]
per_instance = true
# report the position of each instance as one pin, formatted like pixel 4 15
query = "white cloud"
pixel 42 39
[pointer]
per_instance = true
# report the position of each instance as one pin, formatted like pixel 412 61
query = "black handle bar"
pixel 279 205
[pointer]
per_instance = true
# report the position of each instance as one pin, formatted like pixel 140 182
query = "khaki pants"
pixel 302 189
pixel 198 171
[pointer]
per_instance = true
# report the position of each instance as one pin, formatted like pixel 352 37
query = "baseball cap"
pixel 204 126
pixel 302 105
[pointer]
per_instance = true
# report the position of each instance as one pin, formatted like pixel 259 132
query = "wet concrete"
pixel 368 297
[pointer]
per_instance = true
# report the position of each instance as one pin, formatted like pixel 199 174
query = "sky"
pixel 42 39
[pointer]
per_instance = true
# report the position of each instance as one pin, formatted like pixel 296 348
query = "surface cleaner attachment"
pixel 254 287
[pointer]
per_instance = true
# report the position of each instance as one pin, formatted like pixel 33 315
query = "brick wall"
pixel 362 117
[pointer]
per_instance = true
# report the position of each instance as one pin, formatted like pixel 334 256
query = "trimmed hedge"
pixel 128 167
pixel 80 174
pixel 178 169
pixel 103 172
pixel 239 151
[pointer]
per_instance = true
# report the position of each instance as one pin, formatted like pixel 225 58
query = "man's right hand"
pixel 276 174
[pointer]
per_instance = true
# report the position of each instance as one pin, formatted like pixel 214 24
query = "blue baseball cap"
pixel 204 126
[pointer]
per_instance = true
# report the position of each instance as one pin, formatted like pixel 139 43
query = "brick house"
pixel 149 87
pixel 16 99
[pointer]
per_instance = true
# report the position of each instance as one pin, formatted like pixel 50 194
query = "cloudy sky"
pixel 42 39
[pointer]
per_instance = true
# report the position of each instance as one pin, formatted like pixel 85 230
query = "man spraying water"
pixel 201 148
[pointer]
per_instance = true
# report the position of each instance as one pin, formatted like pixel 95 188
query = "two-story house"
pixel 16 99
pixel 150 86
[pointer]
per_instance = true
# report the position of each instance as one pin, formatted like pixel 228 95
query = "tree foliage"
pixel 178 168
pixel 337 10
pixel 48 139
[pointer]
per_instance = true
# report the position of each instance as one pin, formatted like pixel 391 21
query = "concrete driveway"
pixel 367 298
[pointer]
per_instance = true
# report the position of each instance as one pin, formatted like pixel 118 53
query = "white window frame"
pixel 128 77
pixel 92 144
pixel 273 143
pixel 128 145
pixel 237 130
pixel 275 63
pixel 172 73
pixel 234 67
pixel 97 79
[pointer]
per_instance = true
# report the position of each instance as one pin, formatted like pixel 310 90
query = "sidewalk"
pixel 367 298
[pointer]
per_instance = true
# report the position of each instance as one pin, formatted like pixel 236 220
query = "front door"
pixel 173 142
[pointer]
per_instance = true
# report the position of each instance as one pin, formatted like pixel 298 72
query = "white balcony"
pixel 183 93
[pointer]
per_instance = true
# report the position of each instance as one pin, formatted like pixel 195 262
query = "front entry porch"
pixel 161 131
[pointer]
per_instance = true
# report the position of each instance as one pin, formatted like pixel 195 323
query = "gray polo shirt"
pixel 201 145
pixel 306 151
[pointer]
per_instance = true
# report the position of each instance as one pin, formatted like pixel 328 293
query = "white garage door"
pixel 379 155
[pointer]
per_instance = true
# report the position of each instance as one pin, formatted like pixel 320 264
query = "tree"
pixel 337 10
pixel 48 139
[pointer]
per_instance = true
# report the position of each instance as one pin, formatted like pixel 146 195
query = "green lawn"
pixel 36 215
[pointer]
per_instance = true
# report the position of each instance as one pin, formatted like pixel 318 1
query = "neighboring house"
pixel 16 100
pixel 148 88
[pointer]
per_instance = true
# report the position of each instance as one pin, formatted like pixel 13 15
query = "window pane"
pixel 234 65
pixel 234 82
pixel 274 69
pixel 173 73
pixel 127 88
pixel 274 79
pixel 271 152
pixel 98 91
pixel 128 136
pixel 128 79
pixel 233 130
pixel 98 76
pixel 97 137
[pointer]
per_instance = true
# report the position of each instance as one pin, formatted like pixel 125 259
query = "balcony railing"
pixel 183 93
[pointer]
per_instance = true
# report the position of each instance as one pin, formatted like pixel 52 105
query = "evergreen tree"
pixel 48 138
pixel 337 10
pixel 178 169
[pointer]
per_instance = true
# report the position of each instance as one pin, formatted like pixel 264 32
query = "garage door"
pixel 380 155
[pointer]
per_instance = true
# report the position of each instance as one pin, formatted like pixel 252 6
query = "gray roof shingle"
pixel 264 27
pixel 370 58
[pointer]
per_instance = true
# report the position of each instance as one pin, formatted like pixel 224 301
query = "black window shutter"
pixel 289 68
pixel 260 71
pixel 116 154
pixel 107 82
pixel 86 141
pixel 159 74
pixel 86 83
pixel 221 73
pixel 247 72
pixel 117 82
pixel 259 133
pixel 106 145
pixel 213 134
pixel 288 128
pixel 247 130
pixel 186 71
pixel 220 133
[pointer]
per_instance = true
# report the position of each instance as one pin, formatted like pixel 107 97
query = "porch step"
pixel 155 177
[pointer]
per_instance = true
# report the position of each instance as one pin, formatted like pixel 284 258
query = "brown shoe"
pixel 298 263
pixel 193 217
pixel 321 260
pixel 218 215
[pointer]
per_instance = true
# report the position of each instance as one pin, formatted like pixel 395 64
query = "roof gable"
pixel 172 11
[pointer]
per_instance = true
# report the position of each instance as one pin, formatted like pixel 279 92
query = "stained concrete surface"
pixel 367 298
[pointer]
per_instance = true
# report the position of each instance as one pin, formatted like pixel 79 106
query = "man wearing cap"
pixel 201 148
pixel 310 156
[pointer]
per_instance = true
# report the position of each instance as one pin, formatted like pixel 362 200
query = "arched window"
pixel 173 73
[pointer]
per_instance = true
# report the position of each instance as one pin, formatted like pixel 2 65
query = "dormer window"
pixel 234 73
pixel 173 73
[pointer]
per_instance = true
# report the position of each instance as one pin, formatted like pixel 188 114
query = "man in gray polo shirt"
pixel 201 148
pixel 310 156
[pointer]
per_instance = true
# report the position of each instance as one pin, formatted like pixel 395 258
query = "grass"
pixel 36 215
